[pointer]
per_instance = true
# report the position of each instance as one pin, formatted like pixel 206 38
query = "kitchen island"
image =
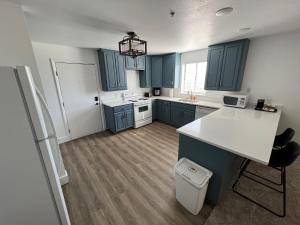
pixel 220 140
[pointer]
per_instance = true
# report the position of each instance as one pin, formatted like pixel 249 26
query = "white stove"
pixel 142 111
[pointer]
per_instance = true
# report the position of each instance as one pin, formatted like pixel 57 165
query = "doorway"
pixel 79 90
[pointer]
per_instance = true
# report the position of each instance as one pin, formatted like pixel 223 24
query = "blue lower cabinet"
pixel 164 111
pixel 129 118
pixel 154 110
pixel 119 118
pixel 119 121
pixel 182 114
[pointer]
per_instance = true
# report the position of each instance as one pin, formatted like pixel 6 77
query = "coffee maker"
pixel 156 91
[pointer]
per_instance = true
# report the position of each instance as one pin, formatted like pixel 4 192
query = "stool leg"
pixel 284 190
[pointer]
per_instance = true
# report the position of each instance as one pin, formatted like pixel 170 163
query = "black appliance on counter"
pixel 156 91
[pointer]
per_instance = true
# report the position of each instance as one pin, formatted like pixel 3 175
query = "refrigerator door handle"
pixel 40 96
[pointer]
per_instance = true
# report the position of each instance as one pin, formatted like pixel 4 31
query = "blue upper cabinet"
pixel 225 65
pixel 140 62
pixel 214 67
pixel 121 72
pixel 145 75
pixel 112 70
pixel 156 71
pixel 130 63
pixel 171 70
pixel 137 63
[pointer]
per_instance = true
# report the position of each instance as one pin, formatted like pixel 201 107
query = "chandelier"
pixel 132 45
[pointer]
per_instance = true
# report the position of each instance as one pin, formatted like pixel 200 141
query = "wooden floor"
pixel 127 178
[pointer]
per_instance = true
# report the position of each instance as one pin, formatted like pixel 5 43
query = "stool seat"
pixel 285 156
pixel 284 138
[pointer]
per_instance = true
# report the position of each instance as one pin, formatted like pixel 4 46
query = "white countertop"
pixel 200 103
pixel 245 132
pixel 197 102
pixel 115 103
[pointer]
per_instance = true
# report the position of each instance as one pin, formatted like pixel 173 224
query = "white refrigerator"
pixel 30 160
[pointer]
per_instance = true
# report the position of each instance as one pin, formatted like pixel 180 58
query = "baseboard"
pixel 63 139
pixel 64 179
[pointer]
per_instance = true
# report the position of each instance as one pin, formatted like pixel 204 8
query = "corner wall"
pixel 15 43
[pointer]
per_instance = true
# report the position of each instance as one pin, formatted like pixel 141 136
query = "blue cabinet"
pixel 164 111
pixel 225 65
pixel 130 63
pixel 214 67
pixel 119 118
pixel 145 75
pixel 182 114
pixel 137 63
pixel 140 62
pixel 156 71
pixel 154 109
pixel 121 72
pixel 112 70
pixel 171 70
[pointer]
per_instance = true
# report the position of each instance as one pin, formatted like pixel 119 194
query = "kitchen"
pixel 123 123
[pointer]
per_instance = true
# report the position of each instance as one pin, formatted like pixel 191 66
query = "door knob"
pixel 96 98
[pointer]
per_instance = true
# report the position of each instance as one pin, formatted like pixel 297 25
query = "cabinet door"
pixel 231 65
pixel 140 62
pixel 110 70
pixel 188 117
pixel 145 75
pixel 154 109
pixel 165 111
pixel 156 71
pixel 119 121
pixel 177 116
pixel 121 72
pixel 168 70
pixel 214 67
pixel 130 63
pixel 129 118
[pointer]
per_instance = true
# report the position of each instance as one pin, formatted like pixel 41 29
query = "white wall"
pixel 15 43
pixel 272 72
pixel 44 52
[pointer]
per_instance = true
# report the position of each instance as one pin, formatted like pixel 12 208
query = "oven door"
pixel 142 112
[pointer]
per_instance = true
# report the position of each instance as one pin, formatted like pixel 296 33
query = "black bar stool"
pixel 280 158
pixel 280 141
pixel 284 138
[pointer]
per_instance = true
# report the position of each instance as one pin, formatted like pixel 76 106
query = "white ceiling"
pixel 102 23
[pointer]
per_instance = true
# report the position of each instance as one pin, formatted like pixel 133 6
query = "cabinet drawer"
pixel 122 108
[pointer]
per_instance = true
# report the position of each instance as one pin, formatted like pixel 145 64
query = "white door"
pixel 79 88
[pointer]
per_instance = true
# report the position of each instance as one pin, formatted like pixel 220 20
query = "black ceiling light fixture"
pixel 132 45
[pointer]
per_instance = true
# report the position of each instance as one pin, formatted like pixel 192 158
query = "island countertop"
pixel 246 132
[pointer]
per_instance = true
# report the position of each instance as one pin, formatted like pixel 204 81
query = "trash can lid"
pixel 192 172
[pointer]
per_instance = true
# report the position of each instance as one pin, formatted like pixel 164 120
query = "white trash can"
pixel 191 184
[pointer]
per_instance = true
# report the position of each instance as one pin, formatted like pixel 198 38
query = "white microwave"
pixel 238 101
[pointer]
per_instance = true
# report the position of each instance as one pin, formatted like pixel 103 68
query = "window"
pixel 193 77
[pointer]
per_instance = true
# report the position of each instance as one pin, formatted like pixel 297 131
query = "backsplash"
pixel 133 84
